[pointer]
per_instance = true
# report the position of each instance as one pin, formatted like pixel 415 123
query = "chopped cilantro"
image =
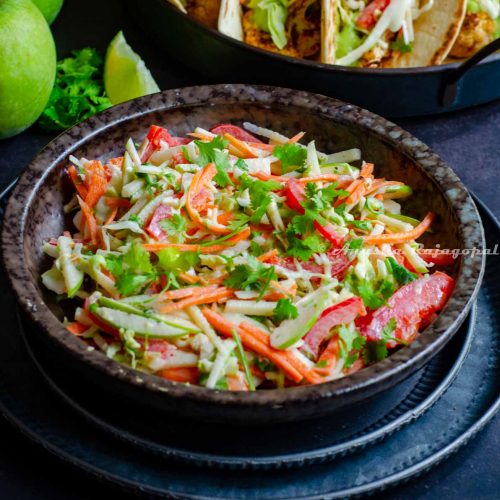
pixel 241 164
pixel 374 293
pixel 400 45
pixel 292 156
pixel 319 199
pixel 135 218
pixel 284 309
pixel 322 364
pixel 350 342
pixel 175 226
pixel 78 91
pixel 361 224
pixel 354 245
pixel 132 270
pixel 400 273
pixel 259 191
pixel 388 331
pixel 251 276
pixel 174 261
pixel 213 152
pixel 304 249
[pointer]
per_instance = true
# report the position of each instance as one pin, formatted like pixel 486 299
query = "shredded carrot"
pixel 319 178
pixel 90 221
pixel 184 374
pixel 269 177
pixel 111 216
pixel 116 161
pixel 367 169
pixel 356 194
pixel 296 138
pixel 182 293
pixel 117 202
pixel 261 145
pixel 380 183
pixel 198 198
pixel 204 137
pixel 79 186
pixel 350 189
pixel 186 247
pixel 225 327
pixel 263 337
pixel 198 299
pixel 77 328
pixel 242 146
pixel 402 237
pixel 235 382
pixel 328 357
pixel 269 256
pixel 189 278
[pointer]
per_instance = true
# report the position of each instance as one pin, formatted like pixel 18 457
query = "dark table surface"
pixel 468 140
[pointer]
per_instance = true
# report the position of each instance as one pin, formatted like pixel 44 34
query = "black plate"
pixel 469 403
pixel 270 446
pixel 389 92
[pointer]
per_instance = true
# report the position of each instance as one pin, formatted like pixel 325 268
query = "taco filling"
pixel 394 33
pixel 480 27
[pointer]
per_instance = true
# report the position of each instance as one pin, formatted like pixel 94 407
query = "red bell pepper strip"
pixel 412 306
pixel 370 14
pixel 235 131
pixel 339 314
pixel 156 136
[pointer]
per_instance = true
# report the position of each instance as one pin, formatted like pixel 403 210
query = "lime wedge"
pixel 125 74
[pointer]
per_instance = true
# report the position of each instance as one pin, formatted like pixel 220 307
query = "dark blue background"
pixel 469 141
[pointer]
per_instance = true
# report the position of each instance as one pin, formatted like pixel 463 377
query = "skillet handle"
pixel 450 85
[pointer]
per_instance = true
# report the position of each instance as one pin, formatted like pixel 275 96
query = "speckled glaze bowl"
pixel 34 214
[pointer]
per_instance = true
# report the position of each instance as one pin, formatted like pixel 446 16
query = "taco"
pixel 394 33
pixel 480 27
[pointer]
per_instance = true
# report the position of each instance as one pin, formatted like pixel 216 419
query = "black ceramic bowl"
pixel 34 214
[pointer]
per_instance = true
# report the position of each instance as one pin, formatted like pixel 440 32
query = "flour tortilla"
pixel 435 32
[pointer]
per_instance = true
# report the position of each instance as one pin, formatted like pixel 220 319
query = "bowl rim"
pixel 398 365
pixel 435 68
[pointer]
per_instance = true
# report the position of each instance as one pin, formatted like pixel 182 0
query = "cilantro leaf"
pixel 400 45
pixel 128 283
pixel 259 191
pixel 305 248
pixel 400 273
pixel 238 221
pixel 292 156
pixel 388 330
pixel 138 259
pixel 135 218
pixel 78 91
pixel 175 226
pixel 349 341
pixel 172 260
pixel 241 164
pixel 213 152
pixel 284 309
pixel 319 199
pixel 361 224
pixel 251 276
pixel 374 293
pixel 222 165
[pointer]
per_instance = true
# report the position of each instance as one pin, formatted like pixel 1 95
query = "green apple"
pixel 27 65
pixel 309 310
pixel 49 8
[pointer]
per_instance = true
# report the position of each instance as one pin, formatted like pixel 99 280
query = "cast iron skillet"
pixel 389 92
pixel 34 214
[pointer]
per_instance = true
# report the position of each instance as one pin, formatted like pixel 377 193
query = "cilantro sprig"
pixel 259 192
pixel 78 91
pixel 213 152
pixel 292 156
pixel 251 276
pixel 285 309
